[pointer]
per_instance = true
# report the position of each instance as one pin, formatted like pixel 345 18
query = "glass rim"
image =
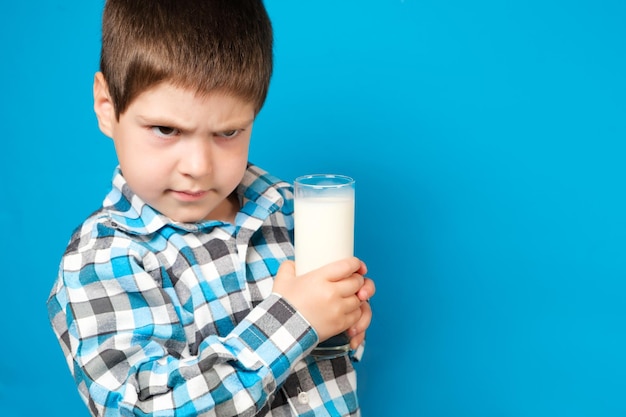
pixel 344 180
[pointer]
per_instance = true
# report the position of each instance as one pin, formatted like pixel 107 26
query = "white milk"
pixel 324 231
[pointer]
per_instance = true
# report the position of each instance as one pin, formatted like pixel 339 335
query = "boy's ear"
pixel 103 105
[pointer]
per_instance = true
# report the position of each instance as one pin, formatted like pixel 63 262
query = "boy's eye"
pixel 164 131
pixel 229 133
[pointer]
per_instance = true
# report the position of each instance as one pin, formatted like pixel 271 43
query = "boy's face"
pixel 182 153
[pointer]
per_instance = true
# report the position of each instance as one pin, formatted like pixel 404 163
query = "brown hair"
pixel 204 45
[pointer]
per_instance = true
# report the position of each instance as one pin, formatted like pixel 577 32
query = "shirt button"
pixel 303 398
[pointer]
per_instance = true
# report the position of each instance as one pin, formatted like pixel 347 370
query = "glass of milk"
pixel 324 233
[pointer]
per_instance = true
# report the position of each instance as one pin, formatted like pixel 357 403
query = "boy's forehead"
pixel 169 90
pixel 179 104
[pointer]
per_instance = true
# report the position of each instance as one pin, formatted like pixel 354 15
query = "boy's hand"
pixel 327 297
pixel 357 332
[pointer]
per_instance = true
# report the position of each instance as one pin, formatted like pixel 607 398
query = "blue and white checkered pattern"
pixel 168 319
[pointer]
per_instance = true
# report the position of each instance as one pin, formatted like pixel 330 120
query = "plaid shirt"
pixel 169 319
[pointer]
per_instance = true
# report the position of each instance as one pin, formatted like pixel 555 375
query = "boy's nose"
pixel 195 160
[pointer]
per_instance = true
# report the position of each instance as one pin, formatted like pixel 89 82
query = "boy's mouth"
pixel 189 195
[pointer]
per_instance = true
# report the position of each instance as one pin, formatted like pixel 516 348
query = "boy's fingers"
pixel 351 286
pixel 357 331
pixel 367 291
pixel 363 269
pixel 356 341
pixel 341 269
pixel 353 304
pixel 354 316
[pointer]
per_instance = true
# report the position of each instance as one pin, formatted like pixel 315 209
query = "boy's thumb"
pixel 287 268
pixel 284 277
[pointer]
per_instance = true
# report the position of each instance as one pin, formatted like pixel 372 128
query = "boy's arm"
pixel 127 348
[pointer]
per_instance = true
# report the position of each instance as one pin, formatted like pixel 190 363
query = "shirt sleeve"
pixel 125 342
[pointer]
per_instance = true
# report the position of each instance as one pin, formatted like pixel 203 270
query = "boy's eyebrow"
pixel 159 120
pixel 234 123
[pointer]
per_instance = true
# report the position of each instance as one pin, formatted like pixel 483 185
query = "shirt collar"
pixel 259 193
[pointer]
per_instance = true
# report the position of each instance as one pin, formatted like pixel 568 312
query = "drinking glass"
pixel 324 233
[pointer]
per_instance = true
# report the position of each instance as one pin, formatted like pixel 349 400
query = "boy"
pixel 177 297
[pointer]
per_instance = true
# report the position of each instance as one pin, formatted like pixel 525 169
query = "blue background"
pixel 487 140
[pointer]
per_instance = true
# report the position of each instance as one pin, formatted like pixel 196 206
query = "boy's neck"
pixel 227 210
